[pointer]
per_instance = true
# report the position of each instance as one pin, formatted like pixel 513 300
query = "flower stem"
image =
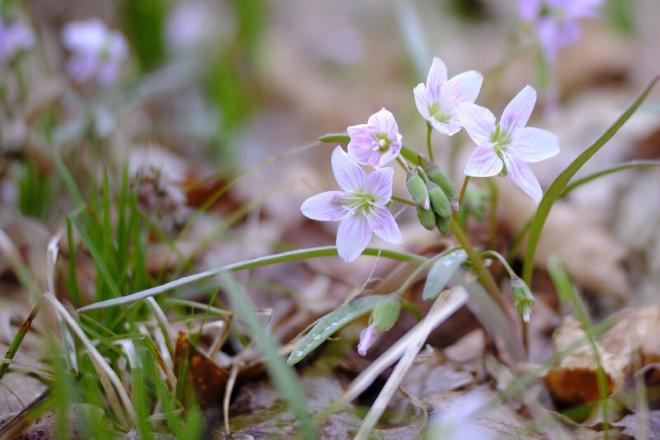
pixel 461 195
pixel 429 146
pixel 402 200
pixel 492 213
pixel 403 164
pixel 485 276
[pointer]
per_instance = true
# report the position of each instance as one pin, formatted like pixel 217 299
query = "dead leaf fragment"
pixel 574 380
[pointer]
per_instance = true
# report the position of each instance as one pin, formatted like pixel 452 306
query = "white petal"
pixel 349 175
pixel 517 112
pixel 379 183
pixel 324 207
pixel 522 175
pixel 353 237
pixel 382 222
pixel 483 163
pixel 464 87
pixel 422 101
pixel 478 121
pixel 534 144
pixel 436 78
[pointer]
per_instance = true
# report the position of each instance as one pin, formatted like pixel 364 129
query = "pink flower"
pixel 96 51
pixel 437 99
pixel 376 143
pixel 506 147
pixel 14 37
pixel 367 339
pixel 359 206
pixel 556 21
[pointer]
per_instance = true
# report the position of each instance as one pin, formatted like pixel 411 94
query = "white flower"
pixel 506 147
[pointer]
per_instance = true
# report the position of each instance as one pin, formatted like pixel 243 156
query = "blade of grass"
pixel 633 164
pixel 568 294
pixel 554 191
pixel 282 375
pixel 295 255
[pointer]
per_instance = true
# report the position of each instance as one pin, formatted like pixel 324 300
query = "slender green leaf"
pixel 295 255
pixel 282 375
pixel 332 322
pixel 558 185
pixel 333 138
pixel 633 164
pixel 441 273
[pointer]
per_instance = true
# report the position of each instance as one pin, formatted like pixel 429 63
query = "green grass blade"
pixel 633 164
pixel 558 185
pixel 282 375
pixel 331 323
pixel 295 255
pixel 569 295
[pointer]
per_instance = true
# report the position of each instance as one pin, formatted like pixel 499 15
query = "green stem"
pixel 403 164
pixel 403 200
pixel 429 145
pixel 18 340
pixel 492 213
pixel 284 257
pixel 461 195
pixel 501 259
pixel 485 276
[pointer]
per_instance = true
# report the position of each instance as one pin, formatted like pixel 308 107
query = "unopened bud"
pixel 386 313
pixel 418 190
pixel 522 297
pixel 440 202
pixel 426 218
pixel 442 224
pixel 442 180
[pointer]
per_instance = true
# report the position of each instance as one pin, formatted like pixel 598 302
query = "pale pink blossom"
pixel 14 37
pixel 437 99
pixel 508 146
pixel 376 143
pixel 96 51
pixel 359 206
pixel 556 21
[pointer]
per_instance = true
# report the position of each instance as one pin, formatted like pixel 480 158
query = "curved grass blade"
pixel 633 164
pixel 332 322
pixel 441 273
pixel 295 255
pixel 558 185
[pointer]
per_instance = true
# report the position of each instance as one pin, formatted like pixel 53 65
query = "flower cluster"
pixel 448 105
pixel 96 51
pixel 14 38
pixel 556 22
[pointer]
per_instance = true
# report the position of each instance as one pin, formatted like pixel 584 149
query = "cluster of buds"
pixel 433 193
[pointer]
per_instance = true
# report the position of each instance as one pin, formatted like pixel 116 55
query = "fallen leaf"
pixel 632 425
pixel 574 380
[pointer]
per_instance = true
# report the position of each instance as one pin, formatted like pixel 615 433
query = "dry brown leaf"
pixel 574 380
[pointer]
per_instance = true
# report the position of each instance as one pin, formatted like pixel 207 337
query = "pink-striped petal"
pixel 478 121
pixel 325 207
pixel 534 144
pixel 382 222
pixel 436 78
pixel 517 112
pixel 464 87
pixel 522 175
pixel 349 175
pixel 367 338
pixel 483 163
pixel 423 101
pixel 379 183
pixel 353 237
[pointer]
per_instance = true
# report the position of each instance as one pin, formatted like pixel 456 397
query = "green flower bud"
pixel 442 180
pixel 440 202
pixel 426 218
pixel 386 313
pixel 442 224
pixel 418 190
pixel 522 297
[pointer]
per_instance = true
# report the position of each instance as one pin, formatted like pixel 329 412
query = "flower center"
pixel 381 142
pixel 436 113
pixel 359 202
pixel 500 141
